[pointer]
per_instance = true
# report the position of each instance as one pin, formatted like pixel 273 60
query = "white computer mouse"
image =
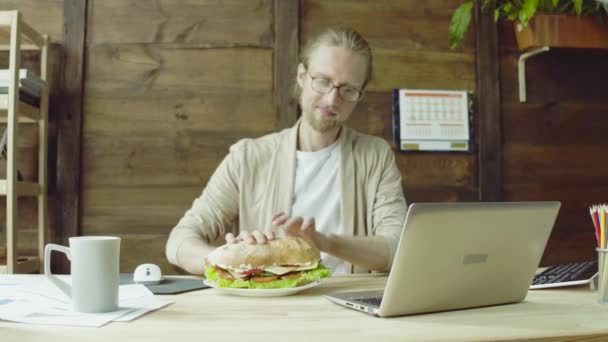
pixel 147 274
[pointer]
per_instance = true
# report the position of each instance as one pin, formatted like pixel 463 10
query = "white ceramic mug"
pixel 94 269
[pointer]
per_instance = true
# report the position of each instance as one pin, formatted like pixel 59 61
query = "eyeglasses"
pixel 325 86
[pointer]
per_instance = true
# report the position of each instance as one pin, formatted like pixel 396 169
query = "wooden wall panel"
pixel 27 226
pixel 410 45
pixel 27 160
pixel 135 69
pixel 286 50
pixel 559 76
pixel 391 24
pixel 165 97
pixel 558 121
pixel 424 69
pixel 157 161
pixel 489 131
pixel 554 142
pixel 136 210
pixel 223 23
pixel 138 248
pixel 555 164
pixel 171 130
pixel 207 111
pixel 69 125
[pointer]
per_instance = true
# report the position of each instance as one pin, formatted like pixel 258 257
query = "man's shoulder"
pixel 260 146
pixel 368 143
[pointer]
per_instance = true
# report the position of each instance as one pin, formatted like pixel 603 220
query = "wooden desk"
pixel 545 315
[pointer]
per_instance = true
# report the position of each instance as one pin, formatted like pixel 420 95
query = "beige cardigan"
pixel 256 181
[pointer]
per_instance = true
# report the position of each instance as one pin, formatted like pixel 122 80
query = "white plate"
pixel 263 292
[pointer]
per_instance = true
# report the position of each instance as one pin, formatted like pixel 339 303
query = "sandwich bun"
pixel 282 251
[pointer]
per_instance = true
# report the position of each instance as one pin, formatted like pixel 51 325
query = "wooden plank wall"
pixel 46 17
pixel 555 142
pixel 410 46
pixel 170 85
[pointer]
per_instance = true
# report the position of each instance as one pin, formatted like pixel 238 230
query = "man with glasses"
pixel 320 180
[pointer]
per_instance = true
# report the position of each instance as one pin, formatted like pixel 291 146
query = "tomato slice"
pixel 252 271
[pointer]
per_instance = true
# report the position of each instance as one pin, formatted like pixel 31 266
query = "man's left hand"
pixel 297 226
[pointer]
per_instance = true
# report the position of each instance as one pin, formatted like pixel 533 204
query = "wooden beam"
pixel 69 119
pixel 489 107
pixel 286 33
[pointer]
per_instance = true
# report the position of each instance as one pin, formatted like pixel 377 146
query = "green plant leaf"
pixel 524 11
pixel 485 4
pixel 460 23
pixel 527 11
pixel 578 6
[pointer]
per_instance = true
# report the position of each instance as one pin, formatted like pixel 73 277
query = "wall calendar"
pixel 431 120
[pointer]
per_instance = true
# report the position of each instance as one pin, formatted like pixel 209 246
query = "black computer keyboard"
pixel 574 273
pixel 369 300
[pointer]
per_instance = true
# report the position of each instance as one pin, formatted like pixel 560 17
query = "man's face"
pixel 340 66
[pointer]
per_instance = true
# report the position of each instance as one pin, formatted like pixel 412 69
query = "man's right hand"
pixel 251 238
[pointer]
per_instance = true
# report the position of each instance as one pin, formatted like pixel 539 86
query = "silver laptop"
pixel 460 255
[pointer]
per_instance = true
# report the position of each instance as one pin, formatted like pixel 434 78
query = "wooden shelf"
pixel 23 188
pixel 562 31
pixel 30 39
pixel 548 31
pixel 28 113
pixel 16 36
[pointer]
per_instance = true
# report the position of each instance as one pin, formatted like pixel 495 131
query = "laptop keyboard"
pixel 369 300
pixel 564 273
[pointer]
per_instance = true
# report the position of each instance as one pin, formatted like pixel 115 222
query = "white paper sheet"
pixel 35 300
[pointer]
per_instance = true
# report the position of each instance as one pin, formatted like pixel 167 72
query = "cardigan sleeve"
pixel 389 206
pixel 214 212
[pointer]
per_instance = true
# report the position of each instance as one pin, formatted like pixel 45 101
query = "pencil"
pixel 602 226
pixel 596 223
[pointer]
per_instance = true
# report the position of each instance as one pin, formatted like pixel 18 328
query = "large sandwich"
pixel 280 263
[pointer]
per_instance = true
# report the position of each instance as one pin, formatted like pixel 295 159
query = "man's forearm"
pixel 191 255
pixel 371 252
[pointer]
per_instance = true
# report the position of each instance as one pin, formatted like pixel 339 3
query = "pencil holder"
pixel 602 283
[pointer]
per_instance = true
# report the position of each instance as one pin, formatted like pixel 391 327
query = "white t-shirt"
pixel 317 195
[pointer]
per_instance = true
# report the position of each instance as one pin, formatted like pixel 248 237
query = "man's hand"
pixel 251 238
pixel 297 226
pixel 284 225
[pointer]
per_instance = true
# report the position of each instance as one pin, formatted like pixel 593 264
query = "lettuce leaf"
pixel 308 277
